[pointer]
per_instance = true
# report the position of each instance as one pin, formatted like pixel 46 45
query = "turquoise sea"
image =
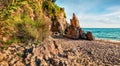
pixel 105 33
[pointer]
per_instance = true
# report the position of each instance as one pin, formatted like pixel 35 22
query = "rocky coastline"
pixel 72 30
pixel 62 52
pixel 36 33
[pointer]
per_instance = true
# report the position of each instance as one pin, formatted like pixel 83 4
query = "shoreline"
pixel 107 40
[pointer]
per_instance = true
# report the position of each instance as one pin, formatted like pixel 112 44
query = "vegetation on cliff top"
pixel 26 20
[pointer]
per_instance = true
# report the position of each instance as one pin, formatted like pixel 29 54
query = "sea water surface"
pixel 105 33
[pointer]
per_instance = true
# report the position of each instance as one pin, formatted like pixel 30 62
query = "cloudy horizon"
pixel 93 13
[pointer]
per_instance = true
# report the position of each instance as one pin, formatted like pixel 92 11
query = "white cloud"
pixel 96 13
pixel 109 19
pixel 100 21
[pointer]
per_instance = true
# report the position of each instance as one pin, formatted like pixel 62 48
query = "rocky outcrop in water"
pixel 74 30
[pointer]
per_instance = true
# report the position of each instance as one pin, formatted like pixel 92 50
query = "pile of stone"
pixel 48 53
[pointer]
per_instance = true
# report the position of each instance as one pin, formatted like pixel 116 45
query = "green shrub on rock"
pixel 22 21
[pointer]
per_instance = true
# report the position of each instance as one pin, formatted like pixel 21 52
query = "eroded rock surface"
pixel 74 30
pixel 59 24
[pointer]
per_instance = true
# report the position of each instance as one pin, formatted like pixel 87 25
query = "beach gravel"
pixel 62 52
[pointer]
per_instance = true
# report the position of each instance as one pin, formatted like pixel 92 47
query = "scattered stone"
pixel 53 53
pixel 19 63
pixel 4 63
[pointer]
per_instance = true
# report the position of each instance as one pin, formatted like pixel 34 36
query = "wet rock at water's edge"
pixel 89 36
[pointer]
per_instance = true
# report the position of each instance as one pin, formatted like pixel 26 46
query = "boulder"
pixel 72 32
pixel 80 33
pixel 84 35
pixel 89 36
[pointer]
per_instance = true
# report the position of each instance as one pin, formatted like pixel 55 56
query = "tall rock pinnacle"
pixel 74 21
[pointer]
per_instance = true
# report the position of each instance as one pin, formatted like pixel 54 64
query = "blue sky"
pixel 93 13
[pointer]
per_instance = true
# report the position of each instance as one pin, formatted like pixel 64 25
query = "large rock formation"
pixel 59 24
pixel 74 30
